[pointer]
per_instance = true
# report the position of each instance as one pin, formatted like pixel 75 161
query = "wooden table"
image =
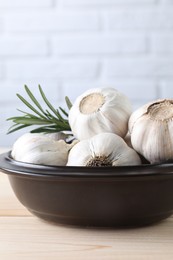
pixel 23 236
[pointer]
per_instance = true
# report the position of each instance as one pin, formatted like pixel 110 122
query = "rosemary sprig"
pixel 50 120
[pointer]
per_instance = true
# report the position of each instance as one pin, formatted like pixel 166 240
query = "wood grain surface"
pixel 23 236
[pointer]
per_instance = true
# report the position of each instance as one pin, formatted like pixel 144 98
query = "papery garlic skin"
pixel 41 149
pixel 56 136
pixel 105 149
pixel 100 110
pixel 127 139
pixel 151 129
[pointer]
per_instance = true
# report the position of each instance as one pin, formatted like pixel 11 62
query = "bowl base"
pixel 107 223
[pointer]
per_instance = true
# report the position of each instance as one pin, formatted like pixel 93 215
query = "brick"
pixel 140 67
pixel 10 46
pixel 52 69
pixel 52 89
pixel 135 90
pixel 162 43
pixel 1 70
pixel 166 88
pixel 51 22
pixel 7 140
pixel 156 18
pixel 138 104
pixel 1 24
pixel 74 89
pixel 165 2
pixel 6 112
pixel 25 3
pixel 99 3
pixel 99 44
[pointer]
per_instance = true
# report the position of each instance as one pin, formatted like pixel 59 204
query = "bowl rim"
pixel 11 166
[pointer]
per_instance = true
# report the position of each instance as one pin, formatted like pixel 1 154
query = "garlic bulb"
pixel 127 139
pixel 151 128
pixel 55 136
pixel 41 149
pixel 100 111
pixel 105 149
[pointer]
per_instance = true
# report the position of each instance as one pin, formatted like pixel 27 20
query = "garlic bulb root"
pixel 99 161
pixel 105 149
pixel 91 103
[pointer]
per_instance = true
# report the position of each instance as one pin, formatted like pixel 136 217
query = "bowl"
pixel 126 196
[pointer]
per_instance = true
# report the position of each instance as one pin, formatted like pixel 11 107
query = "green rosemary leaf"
pixel 58 118
pixel 63 111
pixel 47 102
pixel 30 121
pixel 49 129
pixel 40 130
pixel 68 102
pixel 43 130
pixel 59 115
pixel 14 129
pixel 63 124
pixel 32 97
pixel 28 117
pixel 28 114
pixel 13 126
pixel 51 117
pixel 29 105
pixel 12 118
pixel 51 121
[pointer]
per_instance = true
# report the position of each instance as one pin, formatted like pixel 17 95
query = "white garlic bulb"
pixel 127 139
pixel 100 111
pixel 41 149
pixel 105 149
pixel 151 129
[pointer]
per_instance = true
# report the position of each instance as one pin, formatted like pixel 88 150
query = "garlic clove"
pixel 81 154
pixel 99 111
pixel 105 149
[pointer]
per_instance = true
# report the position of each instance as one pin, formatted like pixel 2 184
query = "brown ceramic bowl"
pixel 106 196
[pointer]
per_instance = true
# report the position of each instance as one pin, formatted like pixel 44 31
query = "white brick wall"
pixel 166 89
pixel 128 87
pixel 162 43
pixel 146 18
pixel 23 46
pixel 1 24
pixel 63 69
pixel 68 46
pixel 25 3
pixel 99 44
pixel 1 70
pixel 51 21
pixel 140 67
pixel 99 3
pixel 12 87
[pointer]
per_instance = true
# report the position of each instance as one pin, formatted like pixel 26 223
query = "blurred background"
pixel 69 46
